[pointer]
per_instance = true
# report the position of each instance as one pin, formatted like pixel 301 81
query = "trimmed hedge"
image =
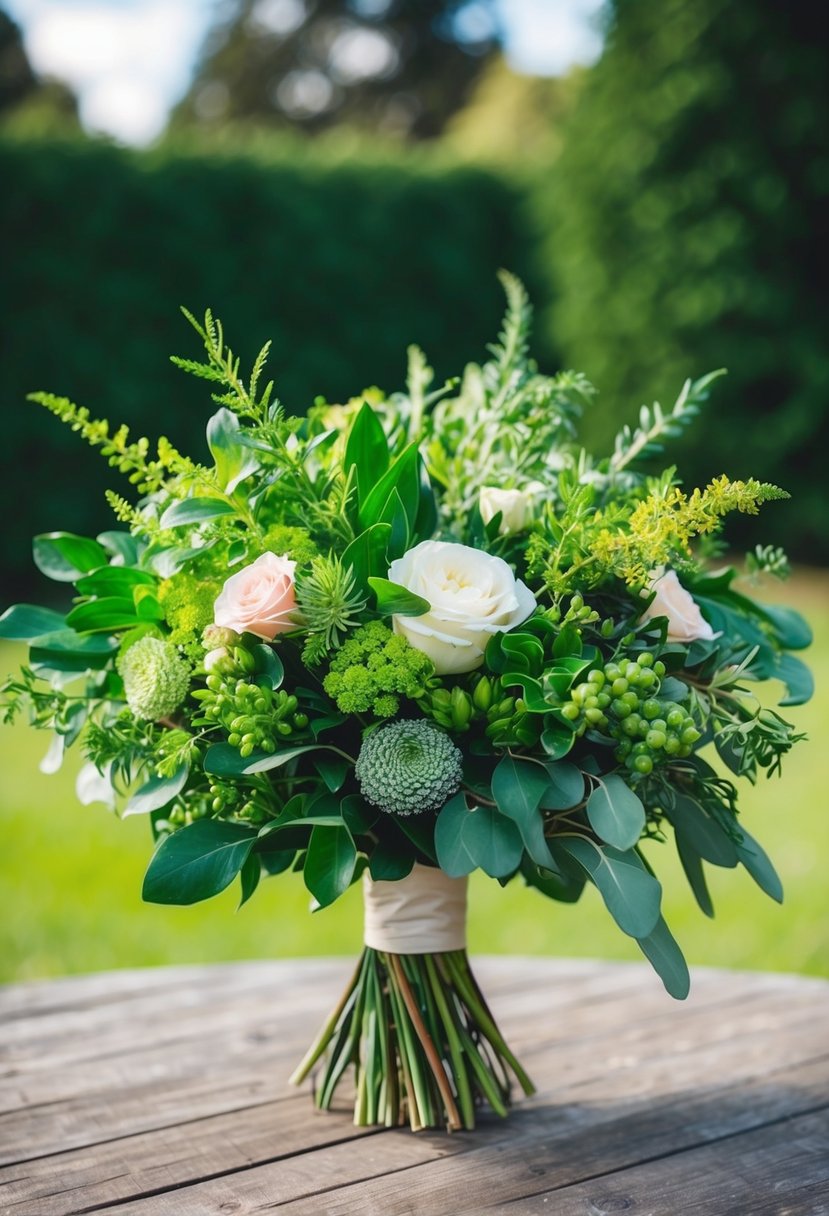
pixel 683 221
pixel 341 264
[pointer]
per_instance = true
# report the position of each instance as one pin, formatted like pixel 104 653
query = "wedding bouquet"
pixel 402 639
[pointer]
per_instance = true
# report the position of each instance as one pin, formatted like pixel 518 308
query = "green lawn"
pixel 70 877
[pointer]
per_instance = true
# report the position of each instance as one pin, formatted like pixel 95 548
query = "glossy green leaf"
pixel 329 863
pixel 158 792
pixel 333 769
pixel 404 476
pixel 631 894
pixel 615 813
pixel 531 693
pixel 366 451
pixel 103 615
pixel 225 761
pixel 122 545
pixel 65 557
pixel 191 511
pixel 392 599
pixel 197 862
pixel 666 958
pixel 388 864
pixel 269 669
pixel 234 461
pixel 23 622
pixel 366 555
pixel 557 739
pixel 249 876
pixel 115 580
pixel 67 650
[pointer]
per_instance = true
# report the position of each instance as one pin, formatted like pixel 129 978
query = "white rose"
pixel 685 621
pixel 516 508
pixel 472 596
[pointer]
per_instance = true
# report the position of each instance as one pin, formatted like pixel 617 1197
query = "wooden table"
pixel 163 1093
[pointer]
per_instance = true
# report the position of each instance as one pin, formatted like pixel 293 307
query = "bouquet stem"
pixel 424 1045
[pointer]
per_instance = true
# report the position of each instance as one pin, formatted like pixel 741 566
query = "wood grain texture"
pixel 164 1093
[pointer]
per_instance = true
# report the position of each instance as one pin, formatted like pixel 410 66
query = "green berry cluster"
pixel 253 716
pixel 622 700
pixel 507 723
pixel 374 669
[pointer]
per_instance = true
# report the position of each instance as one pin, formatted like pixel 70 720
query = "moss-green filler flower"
pixel 408 767
pixel 156 678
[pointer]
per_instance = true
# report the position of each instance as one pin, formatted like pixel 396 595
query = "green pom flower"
pixel 156 678
pixel 408 767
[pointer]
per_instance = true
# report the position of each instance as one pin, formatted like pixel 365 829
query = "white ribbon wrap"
pixel 424 913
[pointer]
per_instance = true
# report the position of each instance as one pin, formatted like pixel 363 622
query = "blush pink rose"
pixel 259 599
pixel 685 621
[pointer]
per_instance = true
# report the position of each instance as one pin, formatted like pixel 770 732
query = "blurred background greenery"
pixel 345 177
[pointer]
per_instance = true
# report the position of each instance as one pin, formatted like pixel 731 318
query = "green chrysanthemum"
pixel 408 767
pixel 156 678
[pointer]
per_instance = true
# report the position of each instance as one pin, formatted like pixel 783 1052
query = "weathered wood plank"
pixel 183 1108
pixel 247 1064
pixel 551 1148
pixel 778 1170
pixel 640 1075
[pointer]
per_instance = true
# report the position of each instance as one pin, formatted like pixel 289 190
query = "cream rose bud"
pixel 685 621
pixel 472 596
pixel 516 506
pixel 259 599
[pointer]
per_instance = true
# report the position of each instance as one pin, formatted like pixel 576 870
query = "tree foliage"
pixel 400 68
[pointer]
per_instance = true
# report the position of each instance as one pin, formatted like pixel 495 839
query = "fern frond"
pixel 510 350
pixel 655 425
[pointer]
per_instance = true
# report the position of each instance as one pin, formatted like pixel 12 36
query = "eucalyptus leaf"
pixel 565 787
pixel 631 894
pixel 479 836
pixel 695 873
pixel 615 813
pixel 756 861
pixel 666 958
pixel 518 787
pixel 694 824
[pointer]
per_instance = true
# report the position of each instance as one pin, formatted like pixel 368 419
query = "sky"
pixel 129 61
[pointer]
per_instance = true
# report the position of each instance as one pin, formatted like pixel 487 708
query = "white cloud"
pixel 127 61
pixel 546 37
